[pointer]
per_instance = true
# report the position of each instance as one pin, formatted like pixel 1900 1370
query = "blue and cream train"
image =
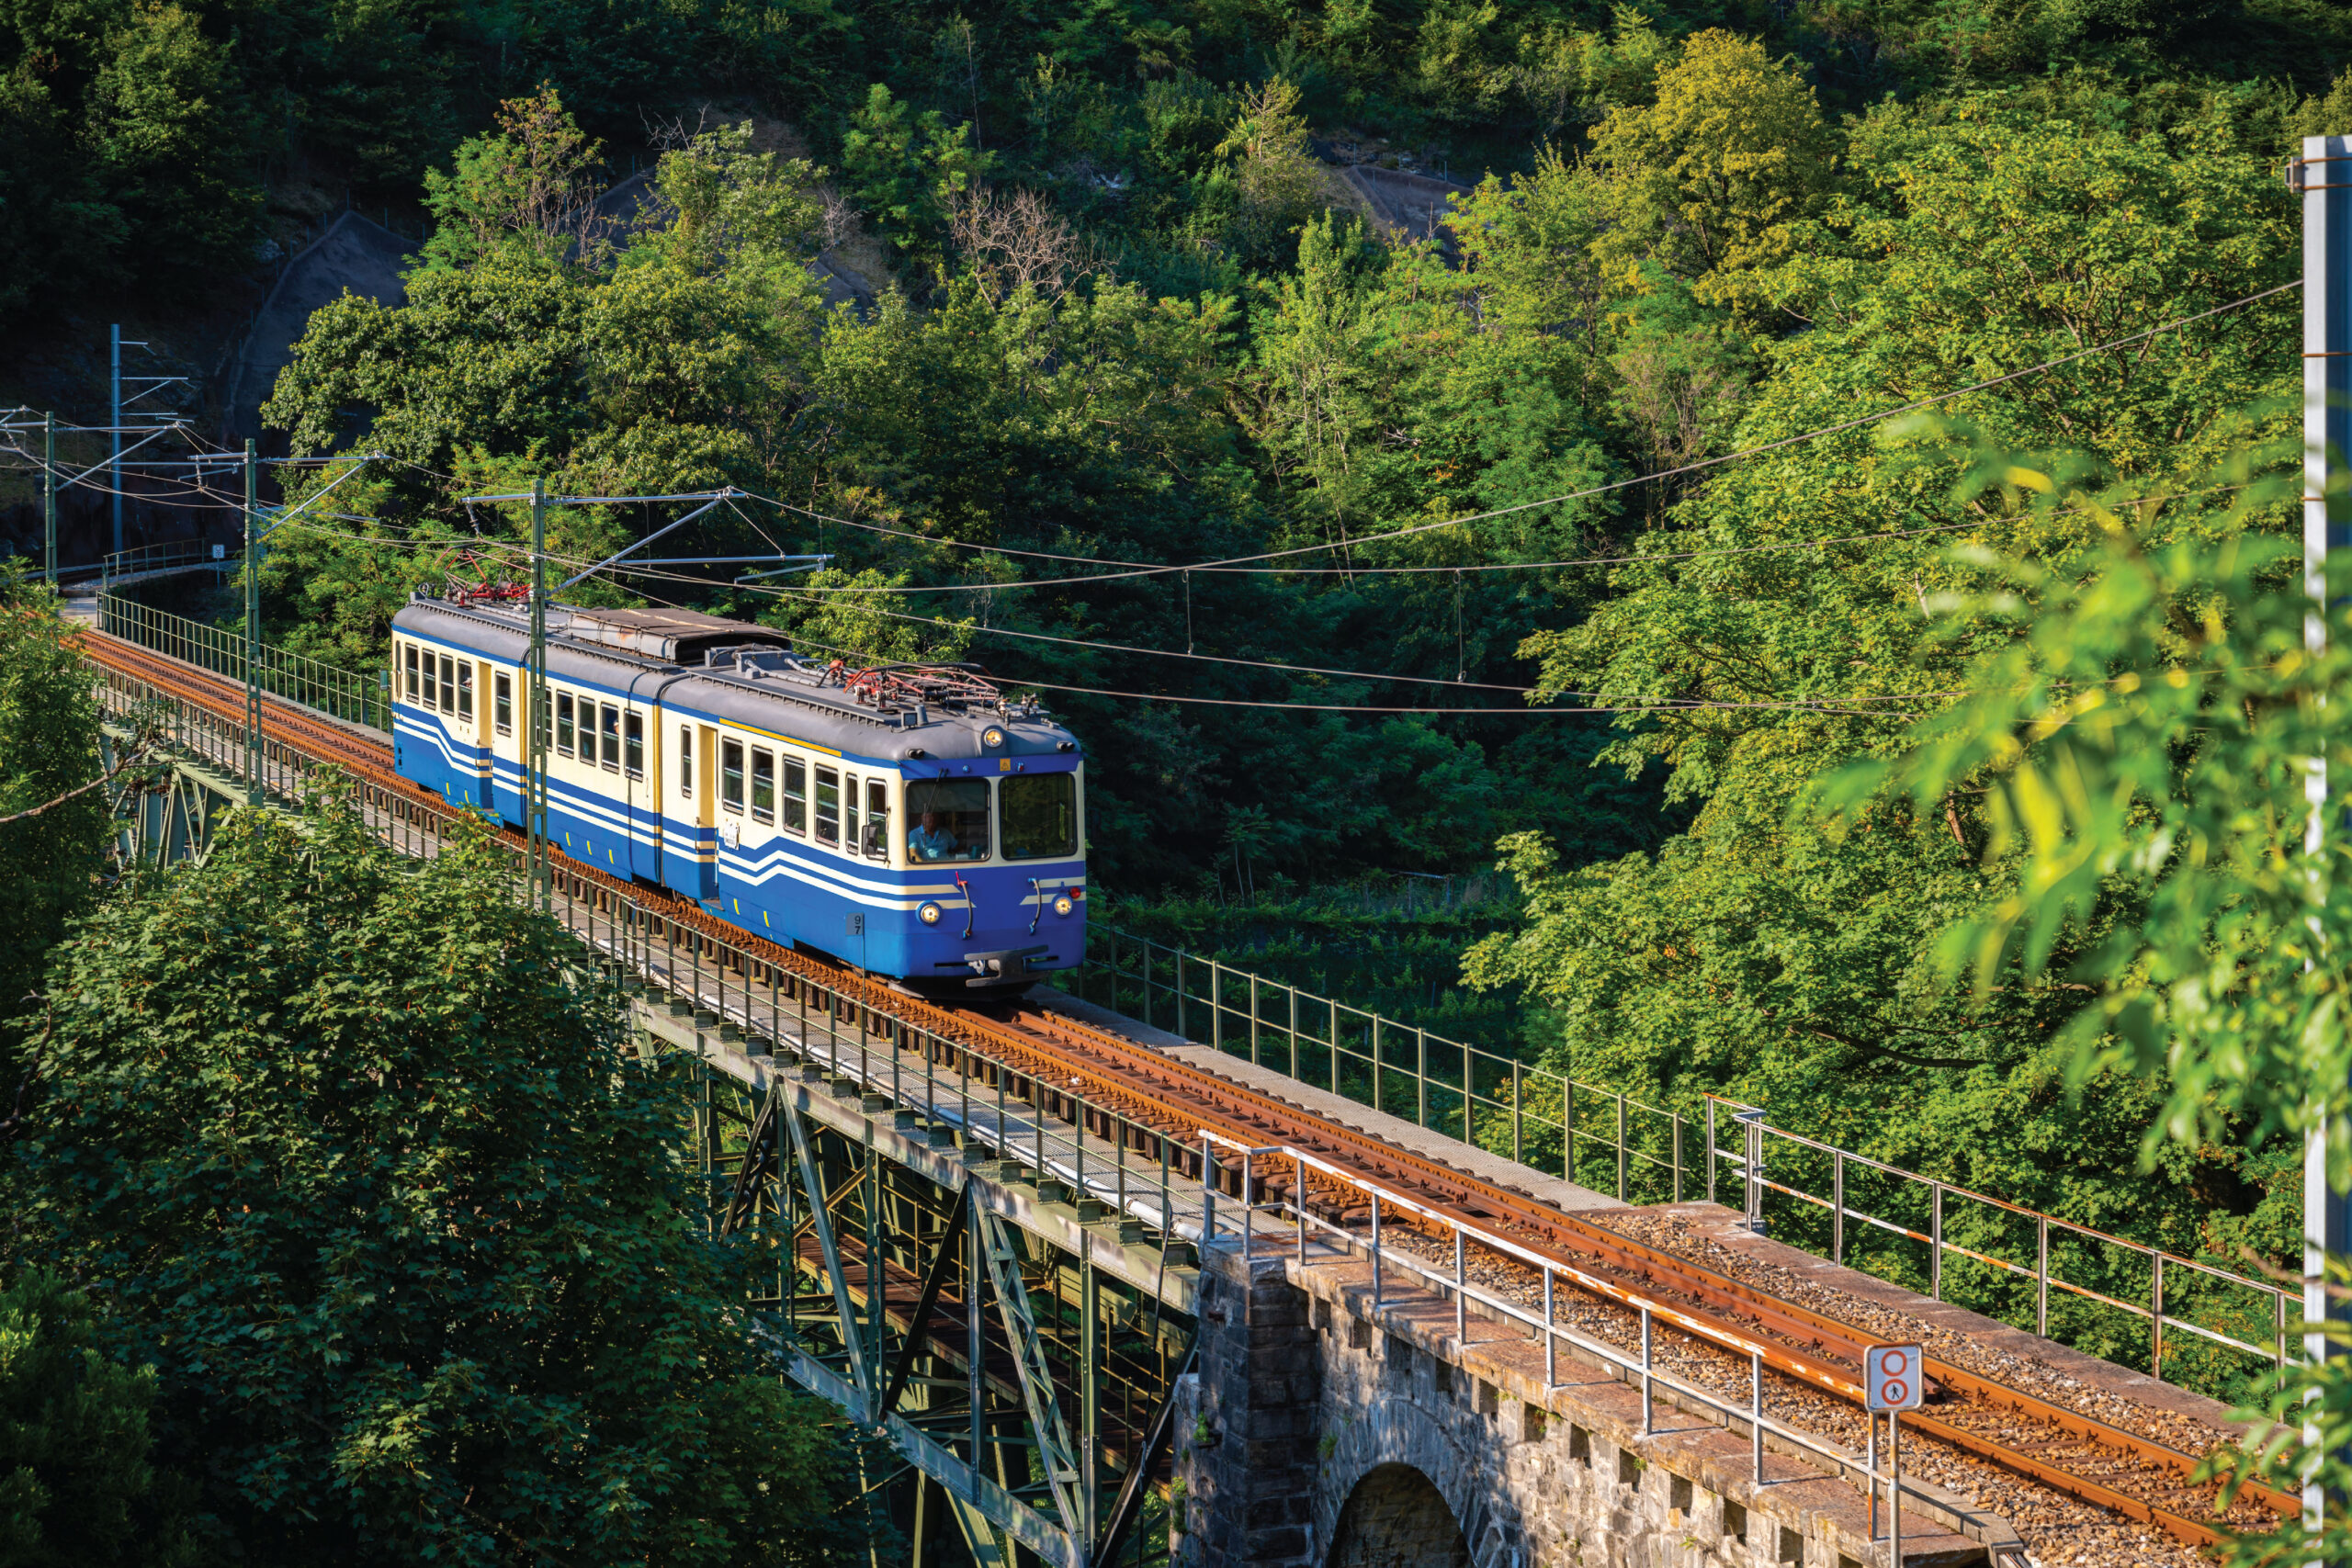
pixel 911 821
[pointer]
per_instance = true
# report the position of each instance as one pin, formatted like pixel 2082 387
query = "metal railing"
pixel 2078 1276
pixel 2116 1299
pixel 1451 1277
pixel 341 694
pixel 1961 1230
pixel 171 553
pixel 1597 1137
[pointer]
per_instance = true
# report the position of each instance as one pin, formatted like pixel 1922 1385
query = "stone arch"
pixel 1396 1518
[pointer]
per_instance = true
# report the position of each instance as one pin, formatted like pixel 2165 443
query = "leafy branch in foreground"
pixel 2148 752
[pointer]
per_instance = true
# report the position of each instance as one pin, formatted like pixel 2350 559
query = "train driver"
pixel 933 840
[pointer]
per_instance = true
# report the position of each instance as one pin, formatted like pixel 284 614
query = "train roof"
pixel 748 674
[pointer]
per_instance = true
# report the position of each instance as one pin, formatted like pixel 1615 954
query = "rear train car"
pixel 911 821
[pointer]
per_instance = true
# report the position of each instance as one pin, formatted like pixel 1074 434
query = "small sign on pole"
pixel 1894 1380
pixel 1892 1377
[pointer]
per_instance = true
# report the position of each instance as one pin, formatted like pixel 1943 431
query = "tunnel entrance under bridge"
pixel 1396 1518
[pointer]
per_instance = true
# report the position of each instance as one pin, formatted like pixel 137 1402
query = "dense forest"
pixel 1542 533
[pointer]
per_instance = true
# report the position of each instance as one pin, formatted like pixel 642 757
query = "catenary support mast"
pixel 2323 175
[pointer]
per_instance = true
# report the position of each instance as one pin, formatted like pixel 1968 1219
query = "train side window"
pixel 410 664
pixel 763 785
pixel 633 744
pixel 828 806
pixel 426 696
pixel 877 843
pixel 448 685
pixel 796 795
pixel 564 732
pixel 466 689
pixel 731 775
pixel 501 709
pixel 609 726
pixel 687 762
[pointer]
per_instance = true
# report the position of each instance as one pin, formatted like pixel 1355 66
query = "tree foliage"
pixel 78 1484
pixel 404 1233
pixel 52 828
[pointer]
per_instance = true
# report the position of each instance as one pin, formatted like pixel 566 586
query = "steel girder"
pixel 813 1189
pixel 1054 1452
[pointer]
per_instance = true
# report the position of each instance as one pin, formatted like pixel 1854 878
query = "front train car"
pixel 914 821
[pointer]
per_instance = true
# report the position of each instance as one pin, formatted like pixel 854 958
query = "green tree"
pixel 1712 175
pixel 52 828
pixel 2143 747
pixel 530 183
pixel 403 1227
pixel 78 1487
pixel 905 169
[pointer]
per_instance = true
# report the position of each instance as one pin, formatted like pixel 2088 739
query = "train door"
pixel 704 882
pixel 641 790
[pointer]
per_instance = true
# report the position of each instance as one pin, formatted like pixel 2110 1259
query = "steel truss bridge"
pixel 993 1276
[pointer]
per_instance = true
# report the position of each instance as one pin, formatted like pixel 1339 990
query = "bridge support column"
pixel 1246 1439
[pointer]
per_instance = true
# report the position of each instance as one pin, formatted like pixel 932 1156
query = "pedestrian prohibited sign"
pixel 1892 1377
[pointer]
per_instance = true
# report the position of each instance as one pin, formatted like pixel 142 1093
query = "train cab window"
pixel 828 806
pixel 876 844
pixel 564 732
pixel 731 775
pixel 947 819
pixel 796 795
pixel 687 762
pixel 502 700
pixel 1040 815
pixel 409 664
pixel 466 689
pixel 763 785
pixel 633 744
pixel 610 726
pixel 448 685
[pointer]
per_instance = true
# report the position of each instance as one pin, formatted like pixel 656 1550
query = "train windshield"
pixel 1041 816
pixel 947 819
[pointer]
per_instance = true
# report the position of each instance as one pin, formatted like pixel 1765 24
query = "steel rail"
pixel 1181 1097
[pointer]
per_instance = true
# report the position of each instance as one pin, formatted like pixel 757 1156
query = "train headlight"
pixel 928 914
pixel 993 738
pixel 1063 906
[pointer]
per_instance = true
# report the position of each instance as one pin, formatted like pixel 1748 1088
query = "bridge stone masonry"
pixel 1098 1335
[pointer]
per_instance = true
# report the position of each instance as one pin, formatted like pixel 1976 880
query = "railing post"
pixel 1208 1199
pixel 1217 1005
pixel 1649 1407
pixel 1461 1286
pixel 1837 1224
pixel 1292 991
pixel 1935 1218
pixel 1755 1411
pixel 1249 1206
pixel 1420 1077
pixel 2156 1321
pixel 1677 1156
pixel 2041 1276
pixel 1621 1147
pixel 1518 1098
pixel 1254 1060
pixel 1375 1253
pixel 1711 1148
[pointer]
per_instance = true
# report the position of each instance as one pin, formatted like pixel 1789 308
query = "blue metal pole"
pixel 115 421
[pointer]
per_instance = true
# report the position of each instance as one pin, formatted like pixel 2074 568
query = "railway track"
pixel 2045 1443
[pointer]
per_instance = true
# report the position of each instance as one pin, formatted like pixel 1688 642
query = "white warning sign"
pixel 1894 1377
